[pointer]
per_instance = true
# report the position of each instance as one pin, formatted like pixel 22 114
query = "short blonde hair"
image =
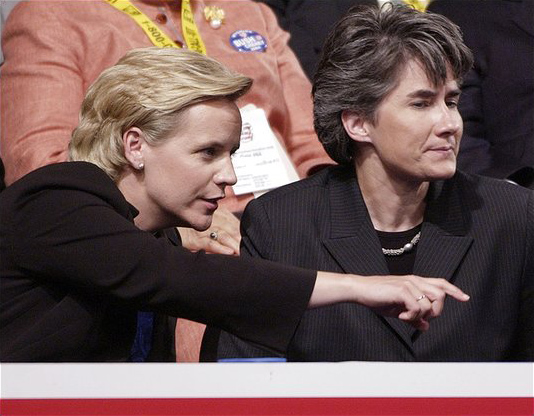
pixel 147 89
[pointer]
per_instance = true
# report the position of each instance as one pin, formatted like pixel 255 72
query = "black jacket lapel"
pixel 443 242
pixel 352 240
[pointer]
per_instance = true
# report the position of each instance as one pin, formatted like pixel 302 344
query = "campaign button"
pixel 248 41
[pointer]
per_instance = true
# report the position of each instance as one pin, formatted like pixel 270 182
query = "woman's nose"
pixel 449 123
pixel 226 175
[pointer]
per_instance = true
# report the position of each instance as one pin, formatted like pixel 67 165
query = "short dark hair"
pixel 363 56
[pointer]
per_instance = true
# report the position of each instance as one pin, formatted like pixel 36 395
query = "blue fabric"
pixel 143 337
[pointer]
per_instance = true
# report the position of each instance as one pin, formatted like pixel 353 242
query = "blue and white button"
pixel 248 41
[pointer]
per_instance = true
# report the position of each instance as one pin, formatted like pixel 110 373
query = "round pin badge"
pixel 248 41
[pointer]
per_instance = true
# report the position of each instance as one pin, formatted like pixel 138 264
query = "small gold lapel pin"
pixel 214 15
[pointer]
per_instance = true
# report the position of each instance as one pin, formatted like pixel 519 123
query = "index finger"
pixel 449 288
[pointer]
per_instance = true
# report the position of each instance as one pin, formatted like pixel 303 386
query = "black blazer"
pixel 497 102
pixel 309 22
pixel 477 233
pixel 74 270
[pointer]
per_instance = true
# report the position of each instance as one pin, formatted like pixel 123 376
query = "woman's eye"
pixel 452 104
pixel 209 151
pixel 420 104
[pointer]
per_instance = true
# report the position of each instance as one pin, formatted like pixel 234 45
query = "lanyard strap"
pixel 420 5
pixel 190 30
pixel 155 34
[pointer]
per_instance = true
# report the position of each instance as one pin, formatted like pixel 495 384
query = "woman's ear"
pixel 355 126
pixel 133 141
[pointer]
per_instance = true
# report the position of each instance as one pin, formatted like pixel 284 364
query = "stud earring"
pixel 141 166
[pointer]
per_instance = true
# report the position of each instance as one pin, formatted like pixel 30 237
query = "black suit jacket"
pixel 309 22
pixel 74 270
pixel 497 102
pixel 477 233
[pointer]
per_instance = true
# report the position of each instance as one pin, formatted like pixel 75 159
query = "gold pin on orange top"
pixel 214 15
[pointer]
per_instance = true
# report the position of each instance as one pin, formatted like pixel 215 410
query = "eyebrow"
pixel 217 145
pixel 431 94
pixel 454 93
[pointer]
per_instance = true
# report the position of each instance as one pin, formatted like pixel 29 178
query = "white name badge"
pixel 261 163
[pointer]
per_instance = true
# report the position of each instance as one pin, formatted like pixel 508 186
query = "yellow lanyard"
pixel 155 34
pixel 420 5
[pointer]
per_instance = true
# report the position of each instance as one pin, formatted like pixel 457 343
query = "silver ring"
pixel 214 235
pixel 420 298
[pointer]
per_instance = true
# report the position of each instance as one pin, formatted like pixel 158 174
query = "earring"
pixel 141 166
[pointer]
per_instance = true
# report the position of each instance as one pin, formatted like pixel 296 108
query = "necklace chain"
pixel 404 249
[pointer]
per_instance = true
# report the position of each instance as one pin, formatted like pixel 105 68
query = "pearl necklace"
pixel 405 249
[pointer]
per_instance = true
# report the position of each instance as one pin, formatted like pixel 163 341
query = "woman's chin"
pixel 442 171
pixel 201 224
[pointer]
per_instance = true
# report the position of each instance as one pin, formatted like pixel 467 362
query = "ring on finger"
pixel 214 235
pixel 420 297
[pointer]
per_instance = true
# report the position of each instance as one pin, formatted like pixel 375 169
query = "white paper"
pixel 261 163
